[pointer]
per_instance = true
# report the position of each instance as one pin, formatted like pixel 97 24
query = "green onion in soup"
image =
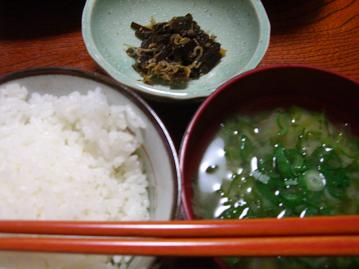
pixel 284 163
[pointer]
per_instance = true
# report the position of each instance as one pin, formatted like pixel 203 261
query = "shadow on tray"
pixel 291 16
pixel 25 19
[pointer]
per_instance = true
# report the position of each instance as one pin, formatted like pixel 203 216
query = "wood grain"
pixel 322 33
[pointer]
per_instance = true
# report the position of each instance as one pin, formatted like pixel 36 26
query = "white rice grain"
pixel 68 158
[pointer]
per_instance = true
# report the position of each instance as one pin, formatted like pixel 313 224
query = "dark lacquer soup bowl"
pixel 275 142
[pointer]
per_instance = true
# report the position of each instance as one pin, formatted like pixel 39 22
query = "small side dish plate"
pixel 242 28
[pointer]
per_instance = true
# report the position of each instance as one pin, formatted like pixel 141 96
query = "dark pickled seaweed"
pixel 174 51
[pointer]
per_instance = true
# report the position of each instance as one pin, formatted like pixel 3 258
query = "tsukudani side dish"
pixel 174 51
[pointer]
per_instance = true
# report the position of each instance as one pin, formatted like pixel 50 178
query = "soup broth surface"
pixel 282 163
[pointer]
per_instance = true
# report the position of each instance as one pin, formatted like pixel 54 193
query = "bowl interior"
pixel 263 90
pixel 241 27
pixel 156 148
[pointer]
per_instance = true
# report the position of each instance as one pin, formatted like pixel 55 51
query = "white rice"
pixel 68 158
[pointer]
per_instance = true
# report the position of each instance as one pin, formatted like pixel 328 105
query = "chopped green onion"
pixel 314 180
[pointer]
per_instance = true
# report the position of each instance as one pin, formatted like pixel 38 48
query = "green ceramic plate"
pixel 241 26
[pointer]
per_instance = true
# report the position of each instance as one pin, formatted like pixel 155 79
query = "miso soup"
pixel 281 163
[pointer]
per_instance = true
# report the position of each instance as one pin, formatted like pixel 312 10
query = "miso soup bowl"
pixel 264 89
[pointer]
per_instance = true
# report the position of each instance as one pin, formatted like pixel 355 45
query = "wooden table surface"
pixel 321 33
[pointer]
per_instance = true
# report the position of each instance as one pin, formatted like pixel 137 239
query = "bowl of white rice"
pixel 78 146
